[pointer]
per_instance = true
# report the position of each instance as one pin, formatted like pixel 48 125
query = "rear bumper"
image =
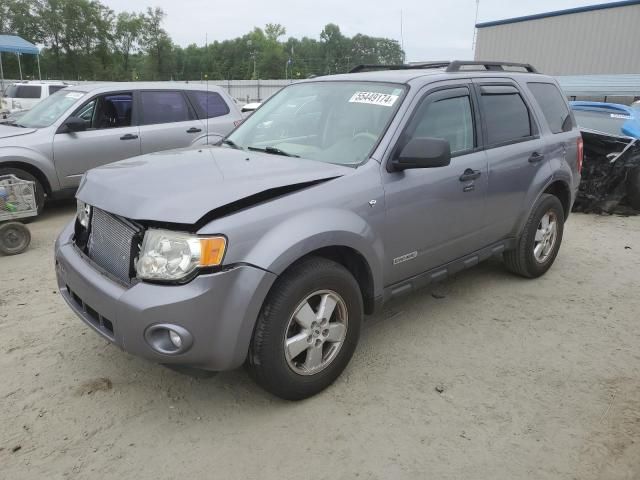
pixel 219 310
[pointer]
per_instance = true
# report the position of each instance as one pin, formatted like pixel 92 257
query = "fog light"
pixel 175 339
pixel 168 339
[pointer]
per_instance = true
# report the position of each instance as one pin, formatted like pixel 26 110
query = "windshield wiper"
pixel 273 150
pixel 231 143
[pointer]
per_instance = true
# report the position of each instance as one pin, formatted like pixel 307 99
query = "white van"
pixel 24 95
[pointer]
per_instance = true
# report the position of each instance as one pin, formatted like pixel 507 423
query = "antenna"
pixel 206 77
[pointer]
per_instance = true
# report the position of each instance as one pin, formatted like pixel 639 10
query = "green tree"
pixel 157 43
pixel 128 32
pixel 84 39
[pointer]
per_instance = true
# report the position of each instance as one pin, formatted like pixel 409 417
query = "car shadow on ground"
pixel 410 313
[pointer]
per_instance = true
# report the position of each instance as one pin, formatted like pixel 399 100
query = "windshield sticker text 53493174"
pixel 373 98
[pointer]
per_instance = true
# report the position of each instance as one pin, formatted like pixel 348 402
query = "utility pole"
pixel 19 65
pixel 402 38
pixel 475 30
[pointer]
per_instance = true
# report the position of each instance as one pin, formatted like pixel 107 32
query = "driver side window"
pixel 449 119
pixel 107 111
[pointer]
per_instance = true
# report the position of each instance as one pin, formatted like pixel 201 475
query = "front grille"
pixel 110 244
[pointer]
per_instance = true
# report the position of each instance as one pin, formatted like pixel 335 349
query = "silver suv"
pixel 85 126
pixel 335 196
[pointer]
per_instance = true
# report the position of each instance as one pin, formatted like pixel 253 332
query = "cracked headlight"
pixel 168 255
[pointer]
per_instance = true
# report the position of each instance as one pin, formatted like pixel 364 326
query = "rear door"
pixel 516 152
pixel 218 114
pixel 110 136
pixel 167 120
pixel 436 215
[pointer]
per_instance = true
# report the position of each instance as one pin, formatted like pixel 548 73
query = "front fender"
pixel 306 232
pixel 33 158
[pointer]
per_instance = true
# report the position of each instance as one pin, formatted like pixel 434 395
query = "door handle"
pixel 470 175
pixel 129 136
pixel 194 130
pixel 536 157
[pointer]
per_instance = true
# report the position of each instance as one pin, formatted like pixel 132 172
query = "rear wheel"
pixel 14 238
pixel 24 175
pixel 307 330
pixel 540 241
pixel 633 188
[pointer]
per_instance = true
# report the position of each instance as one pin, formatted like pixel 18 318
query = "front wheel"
pixel 307 330
pixel 540 241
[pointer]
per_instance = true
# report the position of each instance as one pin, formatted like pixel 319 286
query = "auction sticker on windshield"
pixel 75 95
pixel 373 98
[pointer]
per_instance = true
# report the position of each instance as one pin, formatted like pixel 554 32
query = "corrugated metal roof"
pixel 600 85
pixel 15 44
pixel 557 13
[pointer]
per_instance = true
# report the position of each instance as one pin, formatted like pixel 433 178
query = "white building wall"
pixel 603 41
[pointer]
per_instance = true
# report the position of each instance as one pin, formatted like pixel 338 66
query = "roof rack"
pixel 453 66
pixel 458 65
pixel 373 67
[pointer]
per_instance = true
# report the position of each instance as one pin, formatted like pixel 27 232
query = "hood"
pixel 7 131
pixel 183 186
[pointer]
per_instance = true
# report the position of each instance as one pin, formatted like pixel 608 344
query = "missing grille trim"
pixel 113 244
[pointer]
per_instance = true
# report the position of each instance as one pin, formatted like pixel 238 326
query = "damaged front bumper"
pixel 218 310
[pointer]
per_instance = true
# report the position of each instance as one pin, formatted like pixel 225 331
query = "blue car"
pixel 611 118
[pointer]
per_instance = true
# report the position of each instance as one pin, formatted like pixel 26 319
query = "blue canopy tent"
pixel 19 46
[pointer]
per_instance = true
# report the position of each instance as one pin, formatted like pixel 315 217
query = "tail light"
pixel 580 154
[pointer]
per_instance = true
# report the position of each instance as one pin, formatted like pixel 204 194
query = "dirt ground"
pixel 487 376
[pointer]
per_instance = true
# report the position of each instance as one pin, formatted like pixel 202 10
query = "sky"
pixel 432 30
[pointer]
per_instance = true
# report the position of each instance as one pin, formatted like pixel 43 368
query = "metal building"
pixel 598 39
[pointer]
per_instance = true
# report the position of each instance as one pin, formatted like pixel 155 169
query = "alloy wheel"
pixel 315 333
pixel 545 238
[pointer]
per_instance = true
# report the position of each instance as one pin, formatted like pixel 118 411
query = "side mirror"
pixel 423 152
pixel 75 124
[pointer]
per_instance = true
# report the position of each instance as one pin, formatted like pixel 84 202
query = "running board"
pixel 440 273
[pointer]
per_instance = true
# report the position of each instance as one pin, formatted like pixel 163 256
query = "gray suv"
pixel 85 126
pixel 335 196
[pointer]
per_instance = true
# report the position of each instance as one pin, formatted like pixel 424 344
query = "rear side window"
pixel 54 88
pixel 209 104
pixel 505 114
pixel 163 107
pixel 23 91
pixel 450 119
pixel 553 106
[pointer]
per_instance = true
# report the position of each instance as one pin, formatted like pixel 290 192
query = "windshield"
pixel 603 121
pixel 50 109
pixel 334 122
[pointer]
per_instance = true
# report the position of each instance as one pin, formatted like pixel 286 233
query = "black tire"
pixel 633 188
pixel 522 260
pixel 14 238
pixel 267 361
pixel 24 175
